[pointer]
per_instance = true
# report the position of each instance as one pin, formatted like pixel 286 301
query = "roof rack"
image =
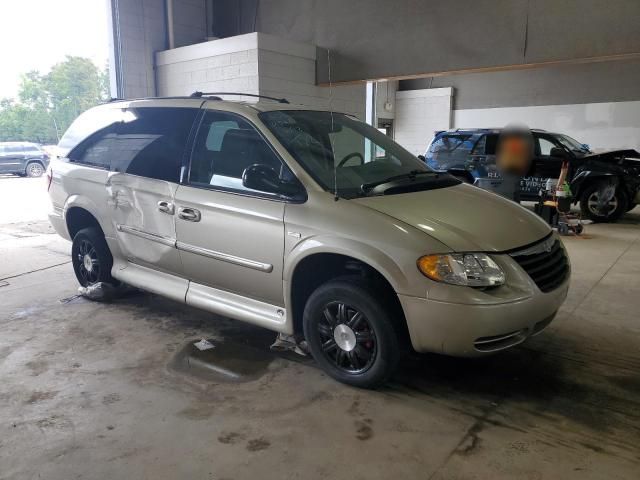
pixel 213 96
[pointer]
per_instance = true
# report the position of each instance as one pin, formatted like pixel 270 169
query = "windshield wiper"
pixel 367 187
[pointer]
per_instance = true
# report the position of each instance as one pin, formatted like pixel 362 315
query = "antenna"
pixel 336 197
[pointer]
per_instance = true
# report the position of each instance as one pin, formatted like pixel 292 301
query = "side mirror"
pixel 265 179
pixel 558 152
pixel 421 157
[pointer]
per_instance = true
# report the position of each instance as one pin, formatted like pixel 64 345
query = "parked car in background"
pixel 23 158
pixel 284 217
pixel 470 154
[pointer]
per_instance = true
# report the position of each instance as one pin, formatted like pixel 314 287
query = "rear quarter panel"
pixel 75 185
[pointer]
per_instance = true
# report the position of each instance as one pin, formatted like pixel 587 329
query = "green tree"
pixel 47 104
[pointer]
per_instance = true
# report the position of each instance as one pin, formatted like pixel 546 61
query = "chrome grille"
pixel 545 262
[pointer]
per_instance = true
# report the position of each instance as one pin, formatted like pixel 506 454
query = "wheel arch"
pixel 315 262
pixel 586 178
pixel 79 213
pixel 29 161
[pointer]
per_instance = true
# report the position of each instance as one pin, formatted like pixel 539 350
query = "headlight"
pixel 469 269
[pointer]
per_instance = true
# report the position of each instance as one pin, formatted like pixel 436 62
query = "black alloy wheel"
pixel 349 325
pixel 348 341
pixel 91 258
pixel 88 263
pixel 594 209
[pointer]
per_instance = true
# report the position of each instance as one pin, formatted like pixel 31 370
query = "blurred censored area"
pixel 515 151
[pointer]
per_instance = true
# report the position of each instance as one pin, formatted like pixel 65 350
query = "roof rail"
pixel 209 94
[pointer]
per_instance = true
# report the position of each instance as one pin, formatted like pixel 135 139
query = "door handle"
pixel 189 214
pixel 166 207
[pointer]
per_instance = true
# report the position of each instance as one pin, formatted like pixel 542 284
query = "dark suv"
pixel 23 158
pixel 606 184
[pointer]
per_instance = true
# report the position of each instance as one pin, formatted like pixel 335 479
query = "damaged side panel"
pixel 142 216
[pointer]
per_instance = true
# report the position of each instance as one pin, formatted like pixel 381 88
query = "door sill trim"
pixel 238 307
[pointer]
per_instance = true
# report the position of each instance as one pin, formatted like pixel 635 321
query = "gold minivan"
pixel 305 222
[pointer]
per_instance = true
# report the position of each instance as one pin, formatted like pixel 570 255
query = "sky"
pixel 37 34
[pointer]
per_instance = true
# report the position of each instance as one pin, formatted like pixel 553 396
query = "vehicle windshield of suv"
pixel 341 152
pixel 572 144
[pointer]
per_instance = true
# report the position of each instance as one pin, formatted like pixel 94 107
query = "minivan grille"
pixel 545 262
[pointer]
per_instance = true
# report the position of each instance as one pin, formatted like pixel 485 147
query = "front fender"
pixel 584 177
pixel 363 252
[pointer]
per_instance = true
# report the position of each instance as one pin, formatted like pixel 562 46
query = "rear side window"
pixel 96 150
pixel 152 142
pixel 88 124
pixel 32 150
pixel 148 142
pixel 14 149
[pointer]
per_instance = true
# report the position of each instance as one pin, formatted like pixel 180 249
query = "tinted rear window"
pixel 152 145
pixel 87 124
pixel 148 142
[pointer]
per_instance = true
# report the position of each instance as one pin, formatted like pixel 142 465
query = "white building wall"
pixel 419 113
pixel 253 63
pixel 603 126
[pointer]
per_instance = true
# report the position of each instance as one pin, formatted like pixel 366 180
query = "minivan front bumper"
pixel 473 330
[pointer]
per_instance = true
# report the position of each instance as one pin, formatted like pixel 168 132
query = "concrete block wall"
pixel 142 29
pixel 141 25
pixel 253 63
pixel 229 64
pixel 419 113
pixel 288 69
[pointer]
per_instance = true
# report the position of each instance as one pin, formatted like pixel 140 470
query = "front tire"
pixel 34 170
pixel 611 212
pixel 91 257
pixel 350 332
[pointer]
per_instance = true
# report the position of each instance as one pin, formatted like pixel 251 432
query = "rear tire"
pixel 350 332
pixel 588 204
pixel 91 258
pixel 34 170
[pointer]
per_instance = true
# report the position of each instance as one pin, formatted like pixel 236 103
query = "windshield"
pixel 572 144
pixel 359 156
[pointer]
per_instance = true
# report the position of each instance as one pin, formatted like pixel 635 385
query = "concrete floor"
pixel 87 390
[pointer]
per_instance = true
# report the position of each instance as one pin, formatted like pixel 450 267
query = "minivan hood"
pixel 464 218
